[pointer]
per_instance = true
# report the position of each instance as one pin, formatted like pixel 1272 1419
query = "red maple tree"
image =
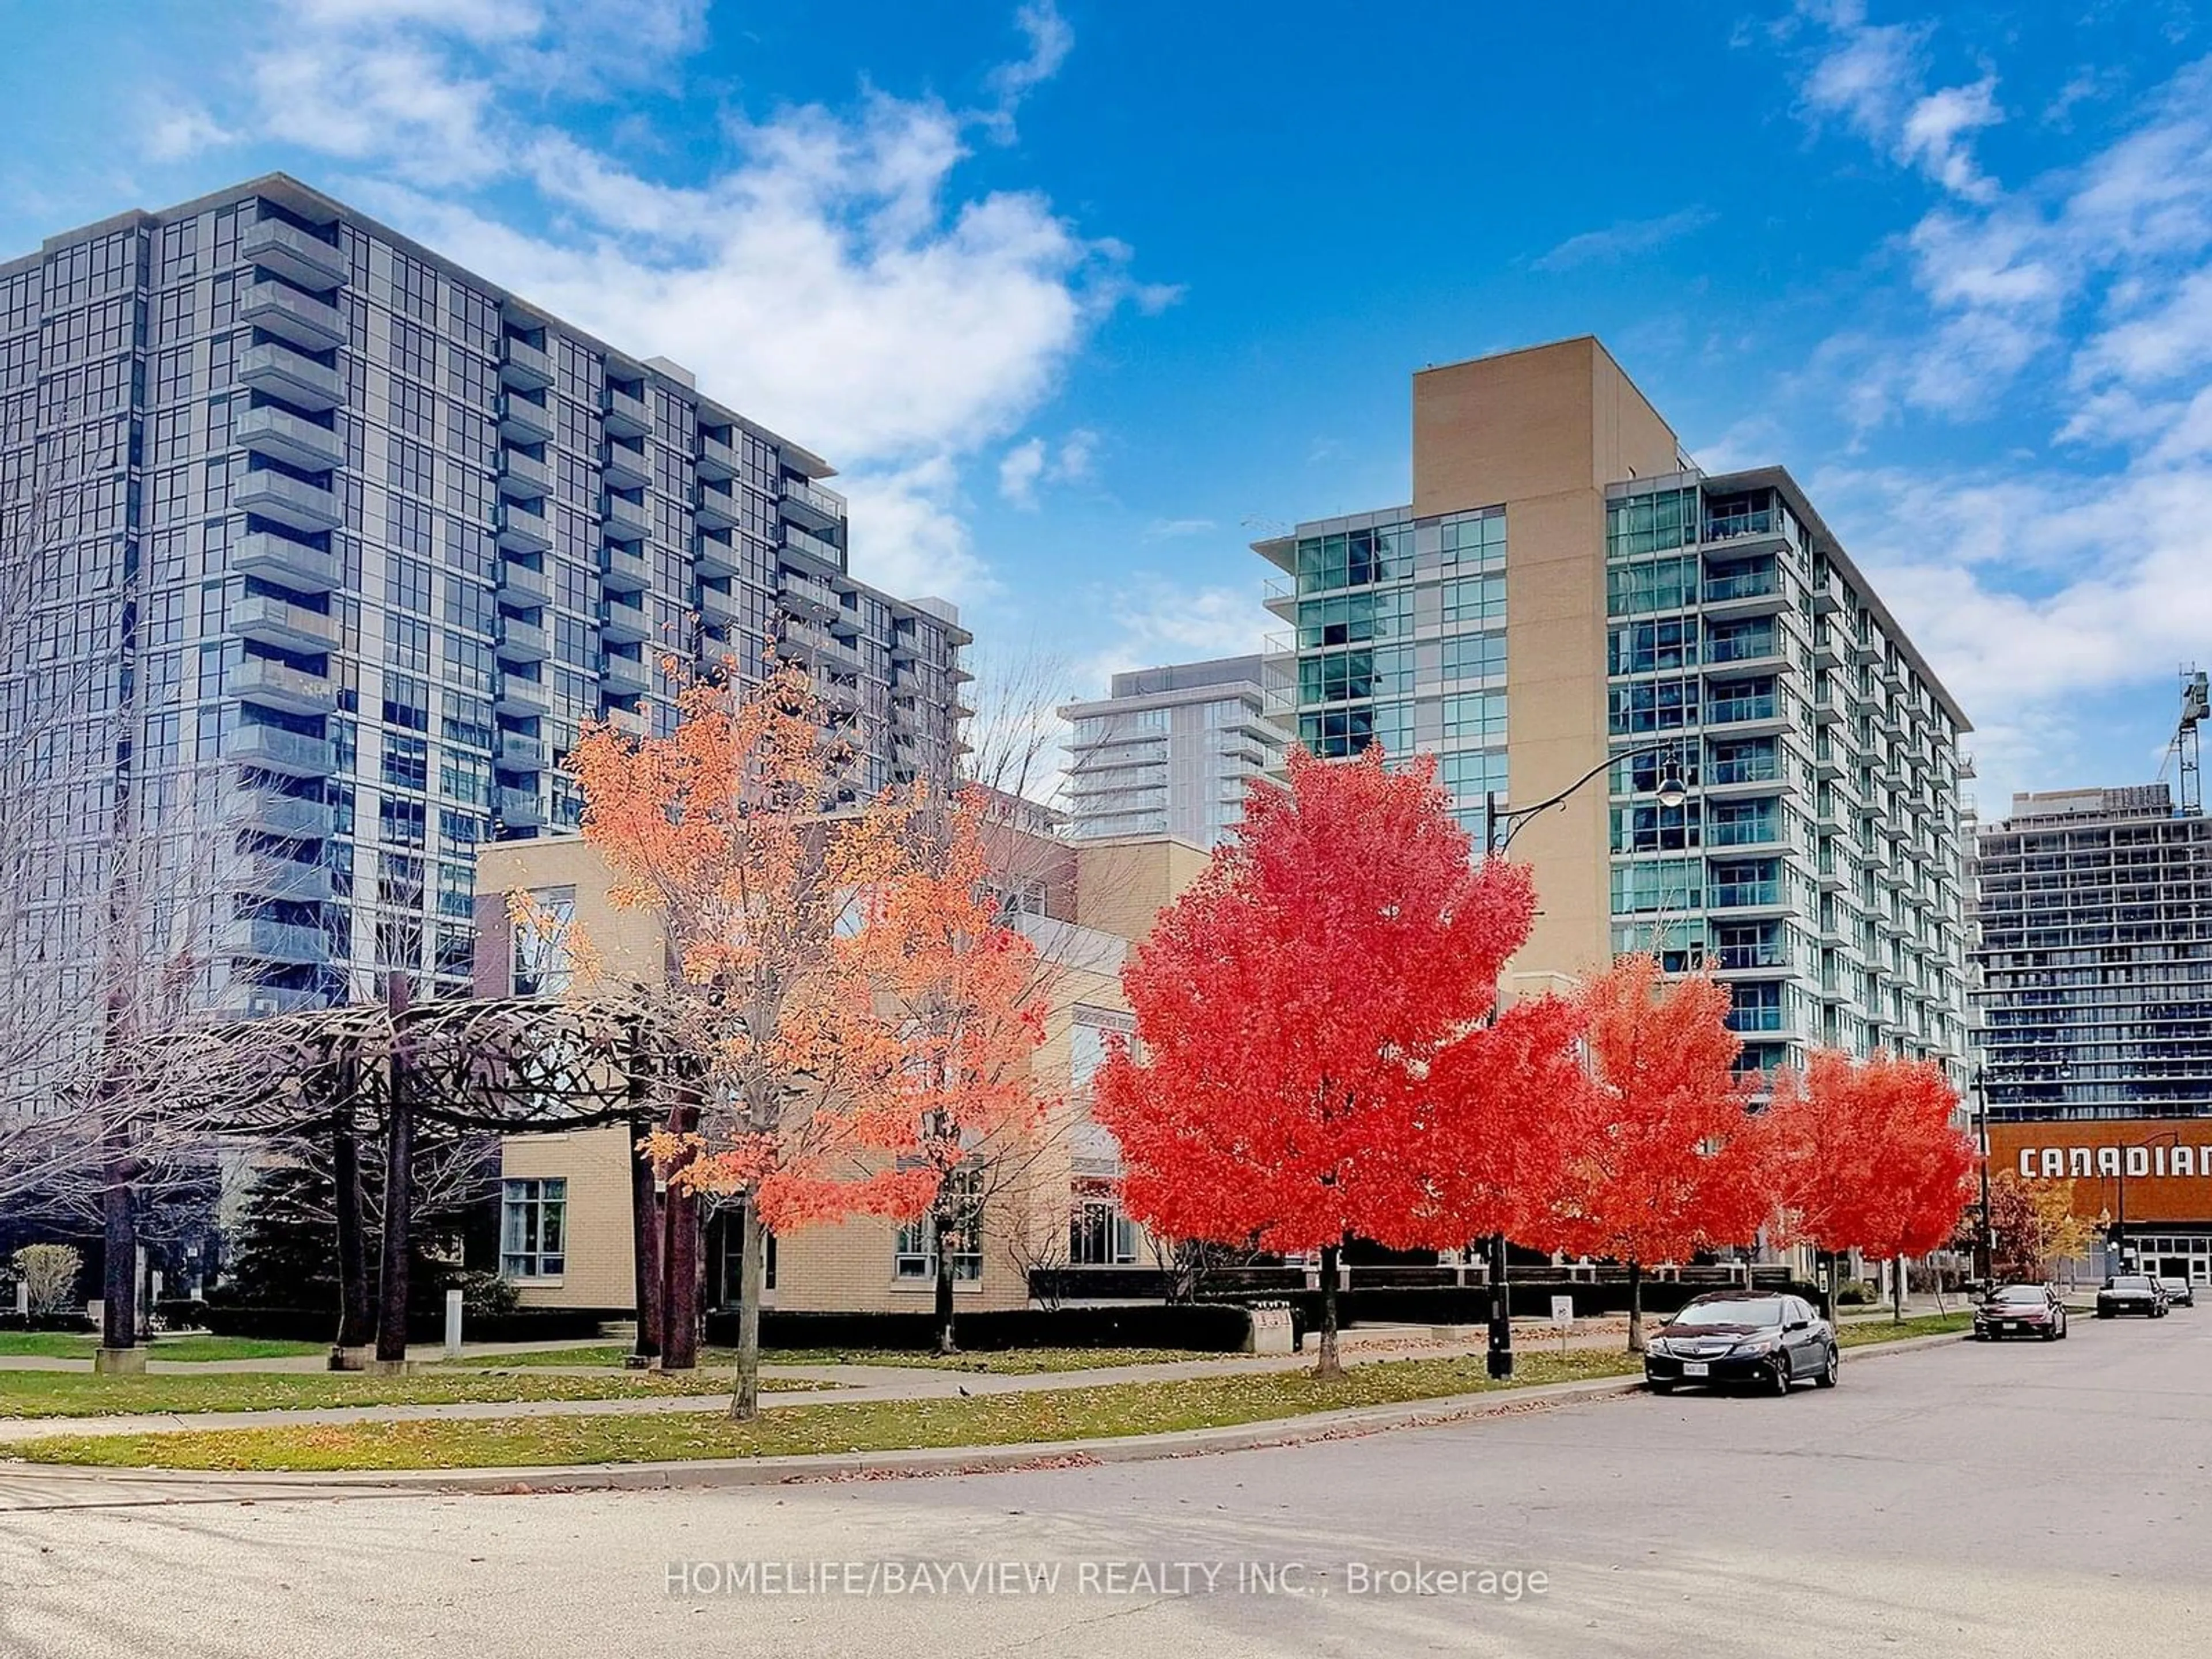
pixel 1289 1008
pixel 1663 1158
pixel 1868 1156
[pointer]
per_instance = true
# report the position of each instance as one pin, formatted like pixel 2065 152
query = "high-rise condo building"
pixel 325 547
pixel 1172 751
pixel 1566 588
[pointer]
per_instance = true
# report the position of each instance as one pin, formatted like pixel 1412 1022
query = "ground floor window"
pixel 915 1252
pixel 534 1228
pixel 1099 1233
pixel 732 1223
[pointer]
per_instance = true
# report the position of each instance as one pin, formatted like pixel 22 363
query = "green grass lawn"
pixel 182 1350
pixel 1122 1408
pixel 1010 1362
pixel 1856 1335
pixel 79 1394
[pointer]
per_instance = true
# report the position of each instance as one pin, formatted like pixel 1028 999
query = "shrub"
pixel 1854 1293
pixel 49 1271
pixel 1202 1327
pixel 181 1313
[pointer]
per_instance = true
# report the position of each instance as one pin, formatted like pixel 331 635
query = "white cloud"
pixel 1019 469
pixel 1162 530
pixel 1619 241
pixel 1033 462
pixel 1162 621
pixel 827 272
pixel 1874 78
pixel 179 131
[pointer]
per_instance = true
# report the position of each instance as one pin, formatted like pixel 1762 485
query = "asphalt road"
pixel 2016 1499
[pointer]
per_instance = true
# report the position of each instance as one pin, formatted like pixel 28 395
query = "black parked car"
pixel 2132 1293
pixel 2020 1310
pixel 2179 1292
pixel 1731 1337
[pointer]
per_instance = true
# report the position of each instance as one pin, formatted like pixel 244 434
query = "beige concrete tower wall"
pixel 1542 432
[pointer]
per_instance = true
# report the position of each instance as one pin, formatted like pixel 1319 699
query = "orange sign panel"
pixel 2166 1164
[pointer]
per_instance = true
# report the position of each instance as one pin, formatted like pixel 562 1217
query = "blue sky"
pixel 1083 296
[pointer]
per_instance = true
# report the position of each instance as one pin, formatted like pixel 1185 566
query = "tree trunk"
pixel 645 1227
pixel 355 1327
pixel 1329 1364
pixel 1896 1288
pixel 679 1296
pixel 752 1278
pixel 119 1327
pixel 398 1193
pixel 947 1238
pixel 1635 1306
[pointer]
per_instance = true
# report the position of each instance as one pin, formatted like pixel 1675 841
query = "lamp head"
pixel 1672 793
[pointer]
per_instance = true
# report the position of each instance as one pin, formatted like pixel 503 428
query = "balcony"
pixel 807 545
pixel 716 508
pixel 716 459
pixel 521 809
pixel 522 698
pixel 312 323
pixel 288 563
pixel 522 642
pixel 823 509
pixel 521 586
pixel 1742 711
pixel 1747 646
pixel 275 684
pixel 518 753
pixel 292 439
pixel 717 553
pixel 280 622
pixel 523 529
pixel 621 623
pixel 719 607
pixel 522 364
pixel 1744 593
pixel 523 420
pixel 274 749
pixel 628 413
pixel 294 254
pixel 524 477
pixel 624 677
pixel 1757 1018
pixel 289 500
pixel 625 520
pixel 259 938
pixel 279 371
pixel 800 639
pixel 281 817
pixel 1764 956
pixel 808 595
pixel 626 465
pixel 1743 895
pixel 286 880
pixel 630 722
pixel 623 569
pixel 1734 527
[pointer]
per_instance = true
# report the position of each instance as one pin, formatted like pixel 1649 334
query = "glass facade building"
pixel 324 549
pixel 1568 598
pixel 1172 751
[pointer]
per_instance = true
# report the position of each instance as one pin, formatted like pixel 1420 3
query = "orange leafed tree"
pixel 1664 1159
pixel 797 936
pixel 1868 1156
pixel 1289 1008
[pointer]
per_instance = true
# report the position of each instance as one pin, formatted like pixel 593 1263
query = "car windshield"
pixel 2019 1293
pixel 1764 1311
pixel 2130 1282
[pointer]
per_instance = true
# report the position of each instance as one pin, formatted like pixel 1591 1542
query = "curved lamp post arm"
pixel 1515 818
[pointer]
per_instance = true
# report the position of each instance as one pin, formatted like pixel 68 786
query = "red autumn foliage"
pixel 1663 1158
pixel 1866 1155
pixel 1298 1011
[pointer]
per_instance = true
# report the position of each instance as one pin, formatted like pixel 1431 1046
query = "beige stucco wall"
pixel 850 1265
pixel 1542 432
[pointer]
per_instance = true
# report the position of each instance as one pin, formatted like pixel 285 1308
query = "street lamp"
pixel 1672 793
pixel 1985 1238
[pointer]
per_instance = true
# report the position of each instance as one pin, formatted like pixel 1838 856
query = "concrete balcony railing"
pixel 621 623
pixel 624 677
pixel 528 589
pixel 521 809
pixel 276 749
pixel 623 568
pixel 716 507
pixel 523 364
pixel 808 546
pixel 522 642
pixel 717 459
pixel 823 508
pixel 273 430
pixel 628 413
pixel 523 528
pixel 289 500
pixel 523 477
pixel 518 753
pixel 627 465
pixel 283 817
pixel 283 624
pixel 259 938
pixel 289 375
pixel 303 319
pixel 276 685
pixel 524 698
pixel 625 520
pixel 294 254
pixel 523 420
pixel 288 563
pixel 286 880
pixel 716 551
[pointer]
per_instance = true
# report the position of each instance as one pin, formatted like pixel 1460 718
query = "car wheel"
pixel 2050 1332
pixel 1779 1381
pixel 1826 1377
pixel 2061 1328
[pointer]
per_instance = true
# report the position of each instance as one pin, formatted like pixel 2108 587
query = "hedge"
pixel 53 1322
pixel 1531 1299
pixel 1202 1328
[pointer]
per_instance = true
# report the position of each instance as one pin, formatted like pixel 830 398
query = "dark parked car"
pixel 1730 1337
pixel 2020 1310
pixel 2132 1293
pixel 2179 1292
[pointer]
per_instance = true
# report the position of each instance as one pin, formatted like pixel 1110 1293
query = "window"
pixel 533 1229
pixel 914 1250
pixel 542 963
pixel 1099 1233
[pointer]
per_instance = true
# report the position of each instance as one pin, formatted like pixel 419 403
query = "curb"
pixel 173 1486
